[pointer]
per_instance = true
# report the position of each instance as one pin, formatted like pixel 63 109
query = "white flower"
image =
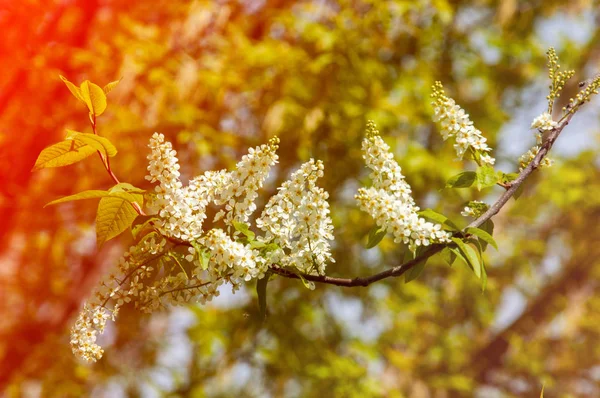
pixel 526 158
pixel 544 122
pixel 241 185
pixel 297 219
pixel 455 123
pixel 389 200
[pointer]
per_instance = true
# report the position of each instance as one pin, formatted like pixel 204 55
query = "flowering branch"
pixel 292 235
pixel 401 269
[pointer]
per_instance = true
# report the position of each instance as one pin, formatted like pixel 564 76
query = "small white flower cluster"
pixel 297 219
pixel 474 208
pixel 544 122
pixel 240 262
pixel 455 122
pixel 181 210
pixel 117 289
pixel 90 322
pixel 242 184
pixel 389 200
pixel 526 158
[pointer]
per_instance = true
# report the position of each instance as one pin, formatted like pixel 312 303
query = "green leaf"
pixel 203 255
pixel 305 282
pixel 261 291
pixel 415 271
pixel 434 216
pixel 100 144
pixel 109 87
pixel 244 229
pixel 483 235
pixel 479 245
pixel 448 255
pixel 115 215
pixel 140 224
pixel 91 194
pixel 255 244
pixel 483 278
pixel 485 177
pixel 507 177
pixel 461 180
pixel 469 254
pixel 94 97
pixel 76 91
pixel 62 154
pixel 488 227
pixel 376 234
pixel 204 259
pixel 458 254
pixel 126 187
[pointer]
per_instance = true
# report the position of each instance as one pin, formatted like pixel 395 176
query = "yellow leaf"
pixel 542 394
pixel 108 88
pixel 94 97
pixel 114 216
pixel 99 143
pixel 91 194
pixel 76 91
pixel 63 154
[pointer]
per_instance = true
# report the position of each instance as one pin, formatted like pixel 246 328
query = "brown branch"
pixel 399 270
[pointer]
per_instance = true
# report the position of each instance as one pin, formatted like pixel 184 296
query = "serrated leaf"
pixel 470 255
pixel 109 87
pixel 100 144
pixel 261 291
pixel 485 177
pixel 436 217
pixel 415 271
pixel 91 194
pixel 94 97
pixel 376 234
pixel 76 91
pixel 62 154
pixel 114 216
pixel 244 229
pixel 126 187
pixel 461 180
pixel 483 235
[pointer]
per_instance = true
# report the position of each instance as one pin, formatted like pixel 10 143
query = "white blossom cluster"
pixel 119 287
pixel 526 158
pixel 153 274
pixel 242 185
pixel 455 122
pixel 544 122
pixel 297 219
pixel 181 209
pixel 474 208
pixel 389 200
